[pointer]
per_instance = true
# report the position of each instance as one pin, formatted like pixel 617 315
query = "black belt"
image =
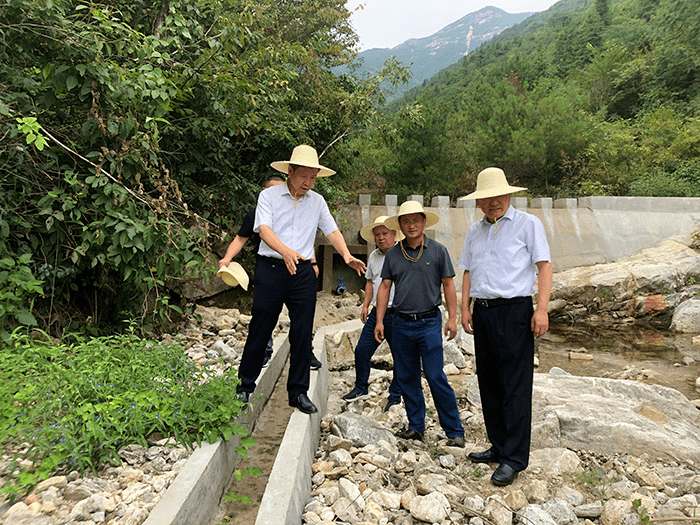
pixel 417 317
pixel 389 311
pixel 275 260
pixel 489 303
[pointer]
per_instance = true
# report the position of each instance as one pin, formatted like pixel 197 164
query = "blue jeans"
pixel 416 342
pixel 365 349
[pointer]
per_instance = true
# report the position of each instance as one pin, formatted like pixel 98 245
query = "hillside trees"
pixel 600 99
pixel 132 129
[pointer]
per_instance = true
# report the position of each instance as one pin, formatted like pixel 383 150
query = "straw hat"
pixel 491 182
pixel 408 208
pixel 233 275
pixel 303 156
pixel 367 232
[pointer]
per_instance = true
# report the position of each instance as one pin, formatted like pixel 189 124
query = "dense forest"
pixel 134 132
pixel 602 99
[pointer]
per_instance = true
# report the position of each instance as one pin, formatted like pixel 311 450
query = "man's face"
pixel 301 180
pixel 494 207
pixel 412 225
pixel 384 238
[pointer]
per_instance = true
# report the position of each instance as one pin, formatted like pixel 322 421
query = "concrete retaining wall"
pixel 581 232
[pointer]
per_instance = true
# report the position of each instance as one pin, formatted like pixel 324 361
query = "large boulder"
pixel 646 286
pixel 611 416
pixel 686 318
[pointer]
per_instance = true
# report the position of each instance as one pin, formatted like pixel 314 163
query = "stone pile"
pixel 123 495
pixel 364 475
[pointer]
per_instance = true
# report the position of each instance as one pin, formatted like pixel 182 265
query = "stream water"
pixel 609 352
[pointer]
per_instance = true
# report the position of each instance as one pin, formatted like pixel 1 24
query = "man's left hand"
pixel 539 323
pixel 451 329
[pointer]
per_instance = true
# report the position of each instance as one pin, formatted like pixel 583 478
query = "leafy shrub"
pixel 73 407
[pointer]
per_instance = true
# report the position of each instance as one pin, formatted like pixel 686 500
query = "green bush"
pixel 73 407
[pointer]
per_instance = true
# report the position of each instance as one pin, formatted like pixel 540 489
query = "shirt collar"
pixel 507 215
pixel 285 191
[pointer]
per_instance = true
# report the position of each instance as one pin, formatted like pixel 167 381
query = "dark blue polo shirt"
pixel 417 284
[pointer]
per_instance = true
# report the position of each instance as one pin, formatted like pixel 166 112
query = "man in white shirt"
pixel 504 254
pixel 287 217
pixel 384 238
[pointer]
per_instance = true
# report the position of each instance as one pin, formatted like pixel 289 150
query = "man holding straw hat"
pixel 384 238
pixel 287 217
pixel 419 268
pixel 504 254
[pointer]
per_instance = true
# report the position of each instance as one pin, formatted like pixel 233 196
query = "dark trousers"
pixel 419 343
pixel 365 349
pixel 505 351
pixel 274 287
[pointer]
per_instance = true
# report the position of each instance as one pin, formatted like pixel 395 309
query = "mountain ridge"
pixel 428 55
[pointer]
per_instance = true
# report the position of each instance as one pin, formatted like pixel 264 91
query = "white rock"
pixel 431 508
pixel 536 515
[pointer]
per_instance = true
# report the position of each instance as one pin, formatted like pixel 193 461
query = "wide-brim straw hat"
pixel 407 208
pixel 234 275
pixel 303 155
pixel 491 182
pixel 367 232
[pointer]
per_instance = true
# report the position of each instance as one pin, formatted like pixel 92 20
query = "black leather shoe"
pixel 244 396
pixel 457 441
pixel 488 456
pixel 390 403
pixel 315 363
pixel 504 475
pixel 303 403
pixel 409 434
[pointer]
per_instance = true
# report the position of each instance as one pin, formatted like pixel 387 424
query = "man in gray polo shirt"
pixel 418 267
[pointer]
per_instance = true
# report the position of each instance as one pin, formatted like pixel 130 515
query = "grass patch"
pixel 66 407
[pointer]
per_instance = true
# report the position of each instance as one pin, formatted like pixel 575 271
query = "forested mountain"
pixel 603 99
pixel 426 56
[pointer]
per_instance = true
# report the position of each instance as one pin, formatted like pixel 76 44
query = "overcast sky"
pixel 387 23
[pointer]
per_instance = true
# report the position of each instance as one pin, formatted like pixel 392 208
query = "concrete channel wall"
pixel 581 232
pixel 194 496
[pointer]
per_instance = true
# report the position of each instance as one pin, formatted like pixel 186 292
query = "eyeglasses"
pixel 409 222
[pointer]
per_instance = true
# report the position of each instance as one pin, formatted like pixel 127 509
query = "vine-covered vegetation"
pixel 133 130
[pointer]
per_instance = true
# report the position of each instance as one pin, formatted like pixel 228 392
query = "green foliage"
pixel 594 477
pixel 239 475
pixel 134 131
pixel 644 517
pixel 73 407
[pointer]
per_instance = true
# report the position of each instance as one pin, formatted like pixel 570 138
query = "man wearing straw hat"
pixel 287 217
pixel 384 238
pixel 419 267
pixel 246 232
pixel 504 254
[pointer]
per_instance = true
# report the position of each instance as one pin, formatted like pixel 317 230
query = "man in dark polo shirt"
pixel 419 267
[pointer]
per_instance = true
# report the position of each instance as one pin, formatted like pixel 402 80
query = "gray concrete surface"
pixel 194 496
pixel 289 484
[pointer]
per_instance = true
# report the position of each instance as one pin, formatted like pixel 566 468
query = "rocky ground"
pixel 365 475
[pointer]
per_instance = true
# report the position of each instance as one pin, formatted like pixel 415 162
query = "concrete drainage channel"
pixel 194 496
